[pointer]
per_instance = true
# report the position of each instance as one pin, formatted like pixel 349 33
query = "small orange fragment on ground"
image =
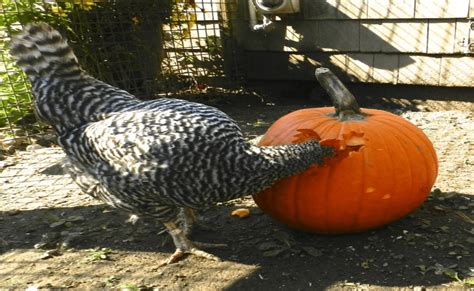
pixel 241 212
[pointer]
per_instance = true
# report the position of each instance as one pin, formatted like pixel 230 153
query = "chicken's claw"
pixel 185 246
pixel 179 254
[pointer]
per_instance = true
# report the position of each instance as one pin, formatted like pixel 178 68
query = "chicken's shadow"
pixel 424 248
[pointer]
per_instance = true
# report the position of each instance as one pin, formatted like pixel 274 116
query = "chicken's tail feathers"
pixel 42 52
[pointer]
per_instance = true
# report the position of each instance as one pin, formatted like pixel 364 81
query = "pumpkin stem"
pixel 344 102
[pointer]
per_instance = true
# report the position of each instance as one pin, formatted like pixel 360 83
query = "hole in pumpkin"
pixel 345 145
pixel 353 140
pixel 305 135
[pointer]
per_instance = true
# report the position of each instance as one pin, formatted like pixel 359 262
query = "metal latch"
pixel 467 45
pixel 466 42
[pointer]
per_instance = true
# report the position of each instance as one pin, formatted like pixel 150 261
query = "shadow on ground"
pixel 378 96
pixel 429 247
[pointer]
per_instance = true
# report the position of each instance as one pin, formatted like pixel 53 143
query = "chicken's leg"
pixel 189 220
pixel 185 246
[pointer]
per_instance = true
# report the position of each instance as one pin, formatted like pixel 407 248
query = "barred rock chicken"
pixel 154 158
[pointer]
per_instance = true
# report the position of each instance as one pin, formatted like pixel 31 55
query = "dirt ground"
pixel 52 236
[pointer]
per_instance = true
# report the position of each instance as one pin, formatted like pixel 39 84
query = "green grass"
pixel 15 95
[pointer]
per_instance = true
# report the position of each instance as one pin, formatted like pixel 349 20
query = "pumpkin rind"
pixel 387 178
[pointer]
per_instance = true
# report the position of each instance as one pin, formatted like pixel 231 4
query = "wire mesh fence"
pixel 145 47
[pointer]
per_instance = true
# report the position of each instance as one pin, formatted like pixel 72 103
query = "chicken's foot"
pixel 185 246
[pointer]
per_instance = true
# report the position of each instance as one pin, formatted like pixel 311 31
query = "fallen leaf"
pixel 312 251
pixel 268 245
pixel 464 217
pixel 283 237
pixel 422 268
pixel 273 253
pixel 469 282
pixel 444 228
pixel 3 243
pixel 75 218
pixel 49 254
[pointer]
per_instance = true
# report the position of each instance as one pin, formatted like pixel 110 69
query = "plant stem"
pixel 344 102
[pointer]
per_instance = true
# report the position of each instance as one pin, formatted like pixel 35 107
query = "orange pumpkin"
pixel 384 169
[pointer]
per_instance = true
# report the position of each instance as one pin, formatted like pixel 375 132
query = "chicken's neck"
pixel 278 162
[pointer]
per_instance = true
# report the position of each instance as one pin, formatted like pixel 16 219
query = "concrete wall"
pixel 383 41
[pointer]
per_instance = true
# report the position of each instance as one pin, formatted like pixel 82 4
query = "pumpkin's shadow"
pixel 425 248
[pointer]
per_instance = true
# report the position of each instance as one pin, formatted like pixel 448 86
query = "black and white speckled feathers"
pixel 153 157
pixel 64 94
